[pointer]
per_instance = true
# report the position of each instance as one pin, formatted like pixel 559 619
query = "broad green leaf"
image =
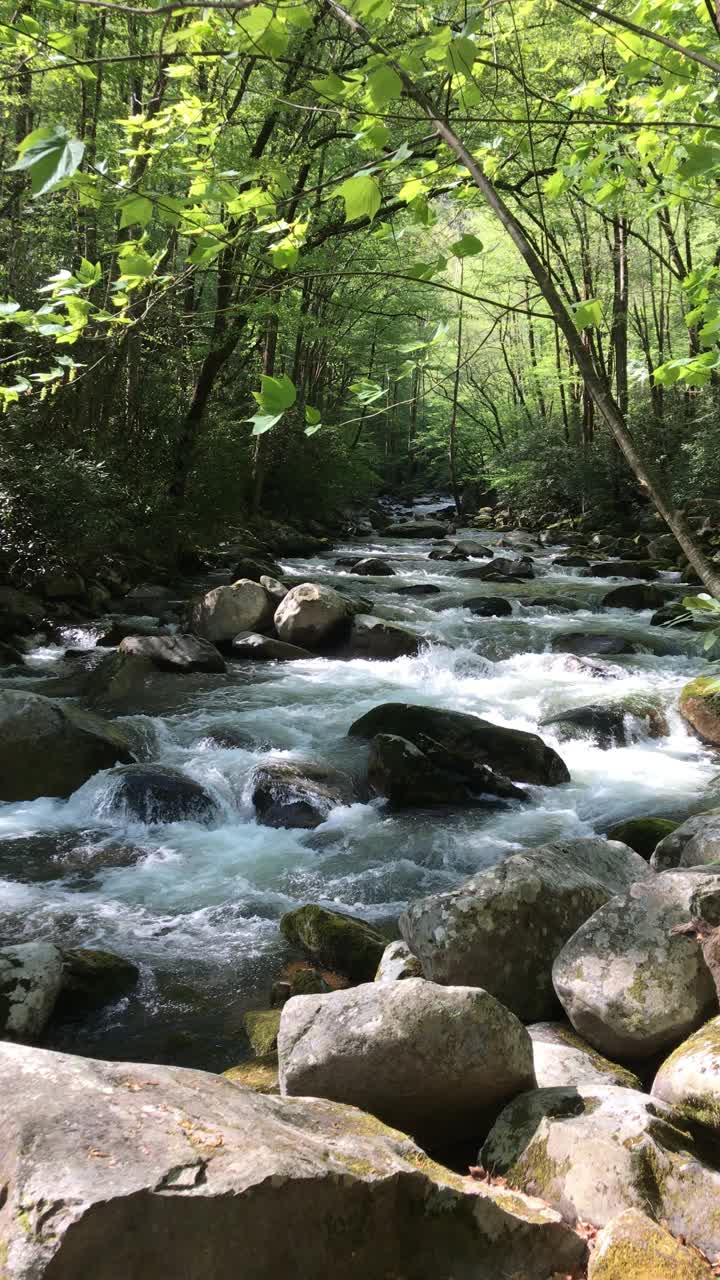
pixel 362 197
pixel 331 87
pixel 312 416
pixel 48 155
pixel 136 264
pixel 383 85
pixel 262 422
pixel 702 603
pixel 206 250
pixel 588 315
pixel 466 247
pixel 555 185
pixel 461 54
pixel 412 188
pixel 276 394
pixel 135 209
pixel 89 273
pixel 702 157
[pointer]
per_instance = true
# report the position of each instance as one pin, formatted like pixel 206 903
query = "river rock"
pixel 148 1171
pixel 31 977
pixel 416 529
pixel 338 942
pixel 123 627
pixel 225 611
pixel 523 757
pixel 275 589
pixel 489 606
pixel 643 834
pixel 372 637
pixel 676 612
pixel 502 929
pixel 623 569
pixel 289 793
pixel 257 567
pixel 373 567
pixel 179 654
pixel 398 962
pixel 593 1151
pixel 700 706
pixel 588 643
pixel 313 616
pixel 612 724
pixel 635 595
pixel 575 561
pixel 433 1061
pixel 474 550
pixel 561 1058
pixel 694 843
pixel 690 1078
pixel 92 977
pixel 411 778
pixel 51 748
pixel 19 612
pixel 633 1247
pixel 249 645
pixel 628 983
pixel 596 668
pixel 445 552
pixel 420 589
pixel 153 793
pixel 554 604
pixel 500 569
pixel 261 1027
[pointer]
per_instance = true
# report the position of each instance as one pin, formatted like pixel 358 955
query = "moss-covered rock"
pixel 261 1026
pixel 298 793
pixel 633 1247
pixel 259 1074
pixel 338 942
pixel 51 748
pixel 642 834
pixel 92 977
pixel 700 706
pixel 694 843
pixel 613 724
pixel 690 1078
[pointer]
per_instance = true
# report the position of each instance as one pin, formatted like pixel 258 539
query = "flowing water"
pixel 197 906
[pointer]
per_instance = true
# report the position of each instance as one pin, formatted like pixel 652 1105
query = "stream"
pixel 197 906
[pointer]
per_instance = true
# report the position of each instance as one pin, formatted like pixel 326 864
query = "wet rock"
pixel 690 1078
pixel 338 942
pixel 501 569
pixel 554 604
pixel 249 645
pixel 225 611
pixel 433 1061
pixel 10 656
pixel 561 1058
pixel 397 963
pixel 662 547
pixel 288 793
pixel 275 589
pixel 256 567
pixel 593 667
pixel 145 591
pixel 694 843
pixel 623 569
pixel 635 595
pixel 571 562
pixel 373 567
pixel 179 654
pixel 633 1247
pixel 643 834
pixel 416 529
pixel 150 1171
pixel 675 612
pixel 523 757
pixel 92 978
pixel 588 643
pixel 474 550
pixel 489 606
pixel 153 793
pixel 372 637
pixel 700 706
pixel 31 976
pixel 313 616
pixel 420 589
pixel 628 982
pixel 502 929
pixel 413 778
pixel 19 612
pixel 259 1074
pixel 120 629
pixel 261 1027
pixel 612 724
pixel 451 554
pixel 593 1151
pixel 51 748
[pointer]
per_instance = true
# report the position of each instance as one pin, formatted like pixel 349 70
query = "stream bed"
pixel 197 906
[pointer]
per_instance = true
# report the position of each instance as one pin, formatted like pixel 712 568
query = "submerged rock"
pixel 225 611
pixel 373 567
pixel 250 645
pixel 313 616
pixel 642 834
pixel 612 724
pixel 700 706
pixel 633 1247
pixel 634 596
pixel 31 977
pixel 693 843
pixel 561 1058
pixel 420 589
pixel 502 929
pixel 587 643
pixel 623 569
pixel 411 778
pixel 523 757
pixel 51 748
pixel 554 604
pixel 153 793
pixel 344 944
pixel 690 1078
pixel 489 606
pixel 288 793
pixel 434 1061
pixel 593 667
pixel 147 1171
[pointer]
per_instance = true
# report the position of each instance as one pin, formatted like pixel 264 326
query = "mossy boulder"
pixel 642 834
pixel 634 595
pixel 261 1027
pixel 612 724
pixel 92 977
pixel 633 1247
pixel 259 1074
pixel 298 793
pixel 694 843
pixel 700 706
pixel 690 1078
pixel 561 1057
pixel 341 943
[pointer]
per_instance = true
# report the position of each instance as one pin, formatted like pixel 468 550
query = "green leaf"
pixel 555 185
pixel 312 416
pixel 362 197
pixel 89 273
pixel 331 87
pixel 310 431
pixel 136 264
pixel 135 208
pixel 461 54
pixel 383 85
pixel 48 155
pixel 206 250
pixel 466 246
pixel 276 394
pixel 702 157
pixel 701 604
pixel 262 422
pixel 588 315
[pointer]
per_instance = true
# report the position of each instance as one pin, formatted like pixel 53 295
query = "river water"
pixel 197 906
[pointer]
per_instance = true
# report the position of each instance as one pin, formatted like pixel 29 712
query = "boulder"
pixel 275 589
pixel 500 569
pixel 689 1080
pixel 411 778
pixel 635 595
pixel 662 546
pixel 256 567
pixel 676 613
pixel 31 977
pixel 489 606
pixel 289 793
pixel 571 562
pixel 700 706
pixel 554 604
pixel 633 1247
pixel 261 1027
pixel 19 612
pixel 91 978
pixel 474 550
pixel 223 612
pixel 398 962
pixel 63 586
pixel 446 553
pixel 148 1171
pixel 612 724
pixel 177 654
pixel 154 793
pixel 313 616
pixel 459 737
pixel 588 643
pixel 338 942
pixel 258 1074
pixel 51 748
pixel 416 529
pixel 593 667
pixel 561 1058
pixel 502 929
pixel 121 628
pixel 251 646
pixel 373 567
pixel 372 637
pixel 623 569
pixel 419 589
pixel 643 834
pixel 694 843
pixel 436 1062
pixel 593 1151
pixel 628 982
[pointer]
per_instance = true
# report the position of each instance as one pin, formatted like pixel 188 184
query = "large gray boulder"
pixel 628 982
pixel 437 1062
pixel 561 1058
pixel 250 645
pixel 696 842
pixel 122 679
pixel 690 1078
pixel 119 1171
pixel 615 723
pixel 223 612
pixel 154 793
pixel 31 976
pixel 345 944
pixel 416 529
pixel 502 929
pixel 51 748
pixel 397 963
pixel 592 1151
pixel 312 616
pixel 290 793
pixel 411 778
pixel 372 637
pixel 523 757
